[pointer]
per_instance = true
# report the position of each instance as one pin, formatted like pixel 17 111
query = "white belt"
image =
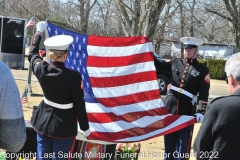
pixel 56 105
pixel 180 90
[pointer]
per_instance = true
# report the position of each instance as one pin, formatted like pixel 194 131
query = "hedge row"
pixel 216 68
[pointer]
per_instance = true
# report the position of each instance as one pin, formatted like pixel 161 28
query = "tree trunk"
pixel 141 17
pixel 192 19
pixel 181 26
pixel 237 38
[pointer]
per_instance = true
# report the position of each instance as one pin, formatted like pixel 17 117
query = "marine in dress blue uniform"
pixel 188 78
pixel 63 107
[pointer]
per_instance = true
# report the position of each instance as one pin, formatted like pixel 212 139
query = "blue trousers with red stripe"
pixel 54 148
pixel 178 144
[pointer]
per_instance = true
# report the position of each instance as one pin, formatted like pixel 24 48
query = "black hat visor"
pixel 189 46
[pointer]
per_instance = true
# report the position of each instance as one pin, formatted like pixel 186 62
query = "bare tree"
pixel 141 17
pixel 104 20
pixel 192 17
pixel 232 15
pixel 180 3
pixel 159 36
pixel 156 19
pixel 26 8
pixel 73 15
pixel 85 8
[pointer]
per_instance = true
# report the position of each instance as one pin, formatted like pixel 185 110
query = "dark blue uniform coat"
pixel 191 76
pixel 60 85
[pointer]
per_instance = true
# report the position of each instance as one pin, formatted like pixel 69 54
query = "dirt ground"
pixel 152 149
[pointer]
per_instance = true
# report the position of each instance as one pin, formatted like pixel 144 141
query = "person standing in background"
pixel 55 119
pixel 218 137
pixel 12 124
pixel 188 78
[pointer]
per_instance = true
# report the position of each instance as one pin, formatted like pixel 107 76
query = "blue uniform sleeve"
pixel 33 56
pixel 79 103
pixel 162 65
pixel 204 85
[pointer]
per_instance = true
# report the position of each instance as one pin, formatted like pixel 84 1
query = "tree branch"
pixel 219 14
pixel 231 8
pixel 69 22
pixel 123 4
pixel 125 14
pixel 144 18
pixel 92 4
pixel 165 20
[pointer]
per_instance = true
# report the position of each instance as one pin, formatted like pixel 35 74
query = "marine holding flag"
pixel 120 86
pixel 188 78
pixel 55 119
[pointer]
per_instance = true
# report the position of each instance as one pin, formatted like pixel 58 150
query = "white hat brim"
pixel 59 42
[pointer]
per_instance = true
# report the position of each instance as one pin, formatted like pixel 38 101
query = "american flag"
pixel 122 96
pixel 24 98
pixel 31 22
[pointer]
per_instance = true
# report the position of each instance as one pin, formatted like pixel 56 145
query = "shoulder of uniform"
pixel 73 73
pixel 203 65
pixel 222 101
pixel 213 105
pixel 218 98
pixel 4 68
pixel 70 70
pixel 76 72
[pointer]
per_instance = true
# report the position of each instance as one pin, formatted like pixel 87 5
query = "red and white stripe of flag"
pixel 31 22
pixel 24 98
pixel 123 80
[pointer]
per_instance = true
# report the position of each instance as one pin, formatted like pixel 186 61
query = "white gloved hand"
pixel 41 26
pixel 199 117
pixel 85 133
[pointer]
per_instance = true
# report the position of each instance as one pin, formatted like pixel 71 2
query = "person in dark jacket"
pixel 63 106
pixel 188 78
pixel 218 137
